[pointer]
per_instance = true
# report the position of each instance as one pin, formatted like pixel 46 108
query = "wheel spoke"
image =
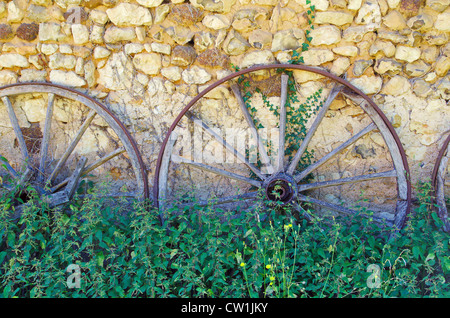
pixel 72 185
pixel 298 155
pixel 282 126
pixel 399 164
pixel 327 157
pixel 91 167
pixel 302 211
pixel 224 200
pixel 46 137
pixel 264 157
pixel 325 204
pixel 72 145
pixel 338 208
pixel 8 168
pixel 16 128
pixel 225 144
pixel 323 184
pixel 176 158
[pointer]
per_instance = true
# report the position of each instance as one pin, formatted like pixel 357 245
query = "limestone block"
pixel 3 10
pixel 385 47
pixel 397 85
pixel 10 60
pixel 368 84
pixel 172 73
pixel 96 35
pixel 442 22
pixel 98 16
pixel 31 75
pixel 369 13
pixel 317 57
pixel 260 39
pixel 15 13
pixel 69 78
pixel 7 77
pixel 183 55
pixel 48 49
pixel 257 58
pixel 89 73
pixel 421 22
pixel 181 35
pixel 114 34
pixel 421 88
pixel 133 48
pixel 161 48
pixel 149 63
pixel 438 5
pixel 333 17
pixel 128 14
pixel 101 52
pixel 216 21
pixel 59 60
pixel 325 35
pixel 417 68
pixel 387 66
pixel 219 6
pixel 435 37
pixel 393 36
pixel 442 65
pixel 340 66
pixel 285 40
pixel 360 66
pixel 80 33
pixel 394 20
pixel 320 5
pixel 195 75
pixel 150 3
pixel 235 44
pixel 347 50
pixel 50 31
pixel 406 53
pixel 161 13
pixel 393 3
pixel 185 14
pixel 356 33
pixel 354 4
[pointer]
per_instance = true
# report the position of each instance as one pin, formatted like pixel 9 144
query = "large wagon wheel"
pixel 294 176
pixel 52 137
pixel 441 183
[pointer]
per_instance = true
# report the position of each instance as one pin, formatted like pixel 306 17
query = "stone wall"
pixel 146 59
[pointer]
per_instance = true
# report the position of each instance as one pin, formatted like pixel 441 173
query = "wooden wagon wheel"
pixel 441 183
pixel 292 177
pixel 43 146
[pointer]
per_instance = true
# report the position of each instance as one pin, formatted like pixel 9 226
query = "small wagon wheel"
pixel 291 173
pixel 441 183
pixel 52 137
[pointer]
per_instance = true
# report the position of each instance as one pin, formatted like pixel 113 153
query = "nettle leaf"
pixel 100 258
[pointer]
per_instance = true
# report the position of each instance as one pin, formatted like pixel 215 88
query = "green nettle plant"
pixel 122 251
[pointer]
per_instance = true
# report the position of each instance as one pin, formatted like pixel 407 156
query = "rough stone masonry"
pixel 146 58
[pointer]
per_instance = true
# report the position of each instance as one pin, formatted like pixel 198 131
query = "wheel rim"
pixel 61 187
pixel 400 171
pixel 441 182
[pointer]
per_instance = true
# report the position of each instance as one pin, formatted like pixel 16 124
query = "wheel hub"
pixel 281 188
